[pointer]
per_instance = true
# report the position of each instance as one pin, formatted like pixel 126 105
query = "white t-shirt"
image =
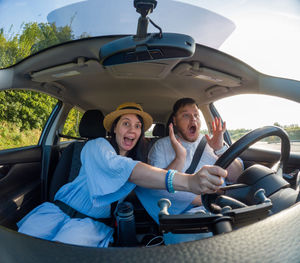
pixel 161 155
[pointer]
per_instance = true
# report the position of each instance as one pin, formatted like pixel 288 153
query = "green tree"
pixel 34 37
pixel 277 124
pixel 28 109
pixel 71 126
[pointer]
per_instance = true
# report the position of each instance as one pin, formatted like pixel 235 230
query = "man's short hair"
pixel 181 103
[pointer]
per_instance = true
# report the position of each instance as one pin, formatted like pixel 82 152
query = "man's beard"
pixel 186 138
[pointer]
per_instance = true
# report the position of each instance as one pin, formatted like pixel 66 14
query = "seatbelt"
pixel 71 212
pixel 74 171
pixel 197 156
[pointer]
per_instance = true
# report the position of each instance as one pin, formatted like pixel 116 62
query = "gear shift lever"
pixel 164 204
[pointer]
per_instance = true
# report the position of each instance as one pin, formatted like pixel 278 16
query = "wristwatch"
pixel 221 151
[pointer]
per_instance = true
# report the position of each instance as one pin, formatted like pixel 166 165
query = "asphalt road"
pixel 295 146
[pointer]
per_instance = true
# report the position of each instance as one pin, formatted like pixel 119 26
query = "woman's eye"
pixel 126 123
pixel 138 126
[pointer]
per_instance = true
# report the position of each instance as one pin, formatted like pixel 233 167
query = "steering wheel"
pixel 252 137
pixel 256 176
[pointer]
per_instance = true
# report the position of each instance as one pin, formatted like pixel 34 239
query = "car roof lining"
pixel 96 87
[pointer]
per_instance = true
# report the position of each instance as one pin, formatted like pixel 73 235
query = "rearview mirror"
pixel 146 47
pixel 153 47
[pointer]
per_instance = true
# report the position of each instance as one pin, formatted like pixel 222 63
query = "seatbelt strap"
pixel 197 155
pixel 71 212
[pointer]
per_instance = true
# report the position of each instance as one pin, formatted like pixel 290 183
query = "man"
pixel 177 151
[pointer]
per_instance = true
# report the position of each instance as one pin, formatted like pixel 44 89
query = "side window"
pixel 23 115
pixel 148 133
pixel 71 127
pixel 244 113
pixel 203 128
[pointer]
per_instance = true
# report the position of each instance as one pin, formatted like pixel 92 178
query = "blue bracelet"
pixel 169 181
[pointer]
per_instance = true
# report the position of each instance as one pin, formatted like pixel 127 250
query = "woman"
pixel 110 170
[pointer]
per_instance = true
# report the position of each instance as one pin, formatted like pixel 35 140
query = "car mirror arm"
pixel 144 7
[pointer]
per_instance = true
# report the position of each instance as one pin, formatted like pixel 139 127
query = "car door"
pixel 23 154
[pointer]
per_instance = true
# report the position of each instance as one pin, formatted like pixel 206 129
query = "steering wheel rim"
pixel 252 137
pixel 240 146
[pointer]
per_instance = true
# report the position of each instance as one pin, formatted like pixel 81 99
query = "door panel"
pixel 269 158
pixel 20 184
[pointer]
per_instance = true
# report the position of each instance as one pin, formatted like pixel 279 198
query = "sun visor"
pixel 196 71
pixel 69 70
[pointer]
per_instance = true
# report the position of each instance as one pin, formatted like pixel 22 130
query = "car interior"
pixel 96 74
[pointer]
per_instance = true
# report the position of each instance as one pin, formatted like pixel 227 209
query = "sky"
pixel 276 22
pixel 15 12
pixel 276 26
pixel 269 43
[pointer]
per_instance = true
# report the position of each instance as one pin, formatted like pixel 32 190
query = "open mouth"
pixel 128 141
pixel 192 129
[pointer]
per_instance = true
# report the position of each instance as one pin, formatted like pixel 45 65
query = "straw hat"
pixel 127 108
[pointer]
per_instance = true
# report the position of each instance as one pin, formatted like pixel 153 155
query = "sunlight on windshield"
pixel 256 111
pixel 271 49
pixel 266 37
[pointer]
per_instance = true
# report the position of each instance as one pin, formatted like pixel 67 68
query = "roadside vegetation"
pixel 23 113
pixel 292 130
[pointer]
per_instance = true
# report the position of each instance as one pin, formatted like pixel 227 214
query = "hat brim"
pixel 111 117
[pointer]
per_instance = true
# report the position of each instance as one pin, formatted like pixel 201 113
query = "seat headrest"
pixel 159 130
pixel 91 124
pixel 168 123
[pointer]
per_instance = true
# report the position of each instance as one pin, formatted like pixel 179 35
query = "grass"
pixel 12 137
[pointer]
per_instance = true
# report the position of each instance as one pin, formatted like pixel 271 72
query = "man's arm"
pixel 234 170
pixel 157 154
pixel 216 142
pixel 179 160
pixel 180 152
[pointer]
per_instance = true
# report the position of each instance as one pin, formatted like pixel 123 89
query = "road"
pixel 295 146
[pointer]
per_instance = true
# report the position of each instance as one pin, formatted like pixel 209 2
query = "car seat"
pixel 90 127
pixel 170 119
pixel 158 132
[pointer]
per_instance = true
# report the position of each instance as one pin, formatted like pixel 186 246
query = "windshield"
pixel 261 33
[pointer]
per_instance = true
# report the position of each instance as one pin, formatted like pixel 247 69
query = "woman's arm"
pixel 207 180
